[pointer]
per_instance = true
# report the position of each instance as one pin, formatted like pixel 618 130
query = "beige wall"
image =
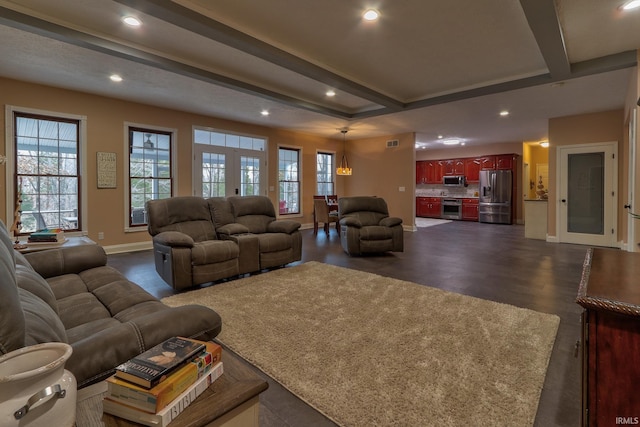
pixel 105 132
pixel 381 171
pixel 377 170
pixel 605 126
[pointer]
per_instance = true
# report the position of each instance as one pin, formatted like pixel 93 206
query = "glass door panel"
pixel 585 194
pixel 223 171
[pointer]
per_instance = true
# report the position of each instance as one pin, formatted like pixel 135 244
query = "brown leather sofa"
pixel 198 240
pixel 71 295
pixel 366 227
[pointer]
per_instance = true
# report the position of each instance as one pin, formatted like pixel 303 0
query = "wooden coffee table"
pixel 231 401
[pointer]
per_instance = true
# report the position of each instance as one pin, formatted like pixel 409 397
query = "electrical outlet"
pixel 100 235
pixel 401 188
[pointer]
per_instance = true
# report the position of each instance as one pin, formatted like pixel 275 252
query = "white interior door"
pixel 223 171
pixel 587 189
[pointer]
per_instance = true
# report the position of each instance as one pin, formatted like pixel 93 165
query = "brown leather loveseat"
pixel 71 295
pixel 198 240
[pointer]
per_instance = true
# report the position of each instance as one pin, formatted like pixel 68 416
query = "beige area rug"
pixel 367 350
pixel 430 222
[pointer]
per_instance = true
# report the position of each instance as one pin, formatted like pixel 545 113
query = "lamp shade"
pixel 343 168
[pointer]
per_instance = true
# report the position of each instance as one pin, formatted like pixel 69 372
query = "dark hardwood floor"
pixel 489 261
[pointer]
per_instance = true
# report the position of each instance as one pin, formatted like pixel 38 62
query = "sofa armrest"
pixel 233 228
pixel 174 239
pixel 283 226
pixel 71 260
pixel 351 221
pixel 95 356
pixel 391 221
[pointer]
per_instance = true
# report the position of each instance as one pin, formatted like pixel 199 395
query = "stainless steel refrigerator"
pixel 495 196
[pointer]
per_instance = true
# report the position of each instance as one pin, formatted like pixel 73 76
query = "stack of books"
pixel 47 235
pixel 156 386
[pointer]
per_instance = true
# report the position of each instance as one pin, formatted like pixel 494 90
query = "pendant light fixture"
pixel 344 168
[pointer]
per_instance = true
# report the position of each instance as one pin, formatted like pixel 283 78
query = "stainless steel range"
pixel 451 209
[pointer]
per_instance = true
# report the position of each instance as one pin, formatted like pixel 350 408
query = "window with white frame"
pixel 47 172
pixel 289 180
pixel 150 171
pixel 325 174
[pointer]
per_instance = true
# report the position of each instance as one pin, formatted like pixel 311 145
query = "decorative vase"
pixel 541 192
pixel 35 389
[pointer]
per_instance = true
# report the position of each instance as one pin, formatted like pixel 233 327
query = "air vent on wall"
pixel 393 143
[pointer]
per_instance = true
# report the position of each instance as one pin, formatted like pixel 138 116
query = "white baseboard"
pixel 128 247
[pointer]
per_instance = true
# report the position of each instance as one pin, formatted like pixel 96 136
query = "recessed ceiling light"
pixel 132 21
pixel 371 15
pixel 544 144
pixel 451 142
pixel 330 93
pixel 440 136
pixel 264 112
pixel 633 4
pixel 115 78
pixel 504 113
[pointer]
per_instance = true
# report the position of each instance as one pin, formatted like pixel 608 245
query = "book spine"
pixel 185 399
pixel 158 397
pixel 168 414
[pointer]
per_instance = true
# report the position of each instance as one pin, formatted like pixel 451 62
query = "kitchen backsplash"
pixel 439 190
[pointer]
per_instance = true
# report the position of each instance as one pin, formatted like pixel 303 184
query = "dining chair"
pixel 315 221
pixel 321 215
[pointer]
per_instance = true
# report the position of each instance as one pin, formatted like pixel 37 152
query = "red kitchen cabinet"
pixel 504 161
pixel 458 167
pixel 428 172
pixel 452 167
pixel 428 207
pixel 433 171
pixel 448 167
pixel 487 162
pixel 472 170
pixel 421 172
pixel 470 209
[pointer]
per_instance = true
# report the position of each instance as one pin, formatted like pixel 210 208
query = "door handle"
pixel 627 206
pixel 564 200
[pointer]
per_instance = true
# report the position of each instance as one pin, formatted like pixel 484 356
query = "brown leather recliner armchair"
pixel 366 227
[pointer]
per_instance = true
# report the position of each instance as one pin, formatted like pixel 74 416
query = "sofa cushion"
pixel 31 281
pixel 187 214
pixel 274 242
pixel 221 211
pixel 13 322
pixel 81 308
pixel 42 324
pixel 212 252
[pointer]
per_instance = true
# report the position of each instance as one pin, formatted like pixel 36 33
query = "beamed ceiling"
pixel 431 67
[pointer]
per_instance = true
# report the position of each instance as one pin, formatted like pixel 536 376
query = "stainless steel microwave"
pixel 454 180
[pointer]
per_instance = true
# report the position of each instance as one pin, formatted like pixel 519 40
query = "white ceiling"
pixel 427 66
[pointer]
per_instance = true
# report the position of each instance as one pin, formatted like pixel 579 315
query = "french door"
pixel 223 171
pixel 587 189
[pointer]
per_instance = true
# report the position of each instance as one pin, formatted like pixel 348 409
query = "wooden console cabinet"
pixel 610 294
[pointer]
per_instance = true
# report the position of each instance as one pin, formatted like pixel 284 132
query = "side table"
pixel 231 401
pixel 70 241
